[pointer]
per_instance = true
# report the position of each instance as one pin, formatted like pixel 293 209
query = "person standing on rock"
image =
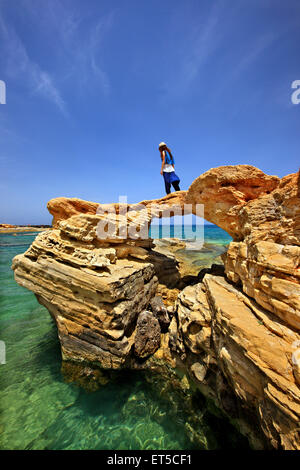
pixel 167 168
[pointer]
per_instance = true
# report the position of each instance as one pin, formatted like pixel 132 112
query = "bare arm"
pixel 163 162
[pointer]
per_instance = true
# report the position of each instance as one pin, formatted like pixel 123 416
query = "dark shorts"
pixel 170 177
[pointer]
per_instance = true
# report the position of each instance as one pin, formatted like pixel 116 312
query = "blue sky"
pixel 93 86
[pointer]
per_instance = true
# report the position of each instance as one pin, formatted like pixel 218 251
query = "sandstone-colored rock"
pixel 240 199
pixel 225 190
pixel 269 273
pixel 166 268
pixel 199 370
pixel 275 216
pixel 95 304
pixel 126 251
pixel 63 208
pixel 194 318
pixel 258 360
pixel 296 365
pixel 235 337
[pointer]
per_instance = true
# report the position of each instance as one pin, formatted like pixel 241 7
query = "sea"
pixel 39 409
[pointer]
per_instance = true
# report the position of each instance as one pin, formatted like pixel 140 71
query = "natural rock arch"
pixel 223 192
pixel 244 328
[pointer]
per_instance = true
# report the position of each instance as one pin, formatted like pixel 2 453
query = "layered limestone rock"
pixel 269 273
pixel 240 354
pixel 248 328
pixel 235 335
pixel 94 295
pixel 63 208
pixel 226 190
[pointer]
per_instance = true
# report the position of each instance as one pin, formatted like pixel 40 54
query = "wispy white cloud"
pixel 255 50
pixel 46 87
pixel 74 50
pixel 19 66
pixel 201 42
pixel 209 46
pixel 252 53
pixel 204 42
pixel 77 40
pixel 93 45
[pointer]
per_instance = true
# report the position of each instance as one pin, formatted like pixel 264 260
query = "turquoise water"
pixel 39 410
pixel 215 241
pixel 211 233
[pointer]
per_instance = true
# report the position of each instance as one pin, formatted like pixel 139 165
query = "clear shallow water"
pixel 39 410
pixel 212 233
pixel 215 241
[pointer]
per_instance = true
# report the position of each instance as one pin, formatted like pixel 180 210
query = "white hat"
pixel 162 144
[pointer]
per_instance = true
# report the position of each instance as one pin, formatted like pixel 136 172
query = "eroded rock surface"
pixel 147 337
pixel 225 190
pixel 225 330
pixel 235 335
pixel 160 312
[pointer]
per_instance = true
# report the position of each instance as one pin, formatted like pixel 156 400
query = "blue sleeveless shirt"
pixel 168 159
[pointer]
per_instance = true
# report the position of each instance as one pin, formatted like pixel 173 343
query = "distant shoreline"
pixel 42 228
pixel 26 228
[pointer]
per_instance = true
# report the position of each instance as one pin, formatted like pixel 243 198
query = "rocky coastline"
pixel 232 331
pixel 15 229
